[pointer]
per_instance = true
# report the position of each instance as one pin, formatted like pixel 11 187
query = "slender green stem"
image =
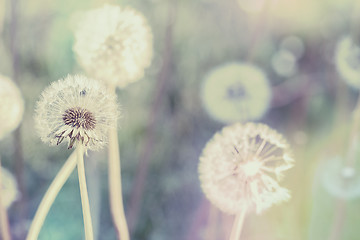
pixel 89 235
pixel 50 196
pixel 115 190
pixel 4 220
pixel 238 224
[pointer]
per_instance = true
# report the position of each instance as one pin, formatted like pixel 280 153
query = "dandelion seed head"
pixel 113 44
pixel 347 59
pixel 9 190
pixel 339 180
pixel 11 107
pixel 241 165
pixel 236 92
pixel 77 110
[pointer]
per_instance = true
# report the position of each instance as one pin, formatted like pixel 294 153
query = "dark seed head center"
pixel 79 117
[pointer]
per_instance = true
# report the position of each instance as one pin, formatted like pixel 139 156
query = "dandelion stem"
pixel 84 193
pixel 50 196
pixel 338 223
pixel 354 136
pixel 238 225
pixel 4 221
pixel 115 188
pixel 211 231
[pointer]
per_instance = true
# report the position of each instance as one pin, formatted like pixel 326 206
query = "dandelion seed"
pixel 240 168
pixel 236 92
pixel 78 110
pixel 347 58
pixel 113 44
pixel 9 190
pixel 11 107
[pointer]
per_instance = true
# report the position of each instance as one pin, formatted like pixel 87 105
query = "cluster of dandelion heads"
pixel 11 107
pixel 241 165
pixel 236 92
pixel 77 110
pixel 347 58
pixel 113 44
pixel 9 189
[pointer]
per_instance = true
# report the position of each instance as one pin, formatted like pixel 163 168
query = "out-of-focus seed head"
pixel 9 190
pixel 113 44
pixel 236 92
pixel 11 107
pixel 347 59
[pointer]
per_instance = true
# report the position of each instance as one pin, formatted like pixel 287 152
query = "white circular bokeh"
pixel 236 92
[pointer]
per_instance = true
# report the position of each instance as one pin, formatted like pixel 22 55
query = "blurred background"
pixel 164 124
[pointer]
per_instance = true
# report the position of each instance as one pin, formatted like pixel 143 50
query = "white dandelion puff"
pixel 11 107
pixel 347 59
pixel 240 168
pixel 9 189
pixel 236 92
pixel 78 110
pixel 113 44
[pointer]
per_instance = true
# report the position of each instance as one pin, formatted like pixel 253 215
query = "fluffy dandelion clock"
pixel 347 58
pixel 241 165
pixel 9 191
pixel 236 92
pixel 113 44
pixel 11 107
pixel 77 110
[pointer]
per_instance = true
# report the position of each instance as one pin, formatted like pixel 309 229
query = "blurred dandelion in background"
pixel 347 59
pixel 9 189
pixel 293 44
pixel 240 168
pixel 11 107
pixel 284 63
pixel 339 180
pixel 236 92
pixel 113 44
pixel 78 110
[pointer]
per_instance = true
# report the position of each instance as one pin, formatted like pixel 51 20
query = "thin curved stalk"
pixel 89 235
pixel 238 225
pixel 50 196
pixel 115 189
pixel 4 220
